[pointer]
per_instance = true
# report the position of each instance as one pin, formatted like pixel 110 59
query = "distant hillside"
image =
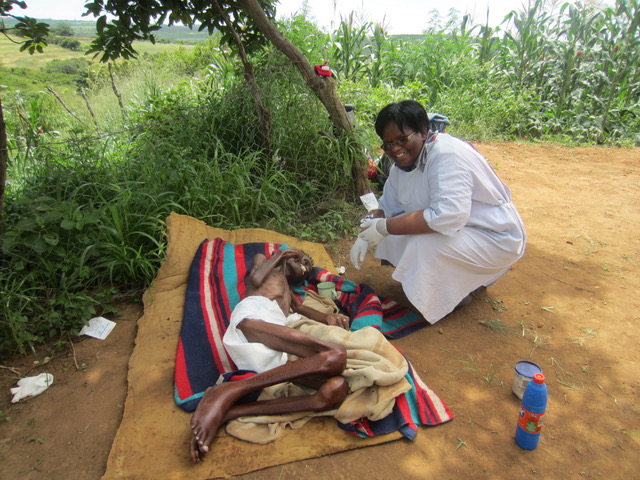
pixel 87 29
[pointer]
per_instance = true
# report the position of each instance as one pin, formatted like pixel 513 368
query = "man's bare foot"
pixel 209 416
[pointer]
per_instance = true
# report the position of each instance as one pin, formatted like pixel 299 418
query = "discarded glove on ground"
pixel 31 386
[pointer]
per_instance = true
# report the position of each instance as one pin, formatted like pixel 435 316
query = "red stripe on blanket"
pixel 212 305
pixel 430 414
pixel 223 303
pixel 393 310
pixel 370 305
pixel 182 380
pixel 244 376
pixel 241 271
pixel 220 295
pixel 365 427
pixel 403 405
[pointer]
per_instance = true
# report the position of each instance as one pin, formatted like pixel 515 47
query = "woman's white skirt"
pixel 437 271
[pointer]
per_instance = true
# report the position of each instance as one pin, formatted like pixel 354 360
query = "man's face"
pixel 298 267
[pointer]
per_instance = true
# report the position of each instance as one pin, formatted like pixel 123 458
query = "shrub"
pixel 72 66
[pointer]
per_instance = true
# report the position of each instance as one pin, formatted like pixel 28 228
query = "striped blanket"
pixel 216 285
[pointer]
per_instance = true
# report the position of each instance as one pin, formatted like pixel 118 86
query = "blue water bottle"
pixel 534 406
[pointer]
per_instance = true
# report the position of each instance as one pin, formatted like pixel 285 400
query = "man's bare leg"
pixel 331 394
pixel 316 358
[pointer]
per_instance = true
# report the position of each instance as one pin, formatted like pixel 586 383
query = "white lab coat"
pixel 479 234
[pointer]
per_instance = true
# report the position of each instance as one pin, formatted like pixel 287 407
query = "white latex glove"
pixel 31 386
pixel 375 230
pixel 358 252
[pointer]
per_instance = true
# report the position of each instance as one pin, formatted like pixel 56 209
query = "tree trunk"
pixel 323 87
pixel 4 156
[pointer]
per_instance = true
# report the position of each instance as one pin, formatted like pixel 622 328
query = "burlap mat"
pixel 153 438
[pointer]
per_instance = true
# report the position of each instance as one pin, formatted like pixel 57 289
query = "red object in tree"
pixel 324 70
pixel 372 171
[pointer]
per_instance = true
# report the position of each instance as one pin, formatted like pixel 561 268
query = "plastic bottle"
pixel 534 406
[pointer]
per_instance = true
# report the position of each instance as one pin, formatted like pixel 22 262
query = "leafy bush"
pixel 72 66
pixel 70 43
pixel 64 42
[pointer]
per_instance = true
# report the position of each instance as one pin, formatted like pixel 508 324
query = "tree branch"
pixel 64 105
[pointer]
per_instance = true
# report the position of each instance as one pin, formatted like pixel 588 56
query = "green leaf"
pixel 67 224
pixel 53 216
pixel 27 225
pixel 51 238
pixel 39 246
pixel 101 23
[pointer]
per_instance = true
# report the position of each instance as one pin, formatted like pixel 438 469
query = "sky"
pixel 399 16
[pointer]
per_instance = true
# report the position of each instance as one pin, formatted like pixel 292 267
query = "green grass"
pixel 496 325
pixel 11 57
pixel 472 366
pixel 150 48
pixel 87 29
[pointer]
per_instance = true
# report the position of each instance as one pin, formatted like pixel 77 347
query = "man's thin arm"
pixel 262 268
pixel 309 312
pixel 336 319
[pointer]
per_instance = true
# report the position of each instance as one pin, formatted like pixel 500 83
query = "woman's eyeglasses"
pixel 399 142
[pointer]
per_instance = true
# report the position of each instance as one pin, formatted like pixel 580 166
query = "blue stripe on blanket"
pixel 230 275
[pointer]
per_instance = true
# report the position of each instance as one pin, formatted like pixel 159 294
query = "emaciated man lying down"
pixel 258 339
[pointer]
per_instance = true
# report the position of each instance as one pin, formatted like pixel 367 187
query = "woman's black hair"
pixel 406 113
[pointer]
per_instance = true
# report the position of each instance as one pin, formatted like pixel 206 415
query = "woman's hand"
pixel 358 252
pixel 374 230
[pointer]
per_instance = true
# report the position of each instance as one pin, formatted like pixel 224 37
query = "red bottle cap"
pixel 538 378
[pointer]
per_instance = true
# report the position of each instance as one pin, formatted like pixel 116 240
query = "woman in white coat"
pixel 446 221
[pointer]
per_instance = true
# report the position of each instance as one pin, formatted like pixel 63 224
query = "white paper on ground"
pixel 98 327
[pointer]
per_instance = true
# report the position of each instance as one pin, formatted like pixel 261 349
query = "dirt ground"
pixel 571 305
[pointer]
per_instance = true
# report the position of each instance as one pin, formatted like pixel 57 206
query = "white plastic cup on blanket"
pixel 327 289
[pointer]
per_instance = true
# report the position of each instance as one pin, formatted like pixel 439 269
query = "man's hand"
pixel 289 253
pixel 338 320
pixel 358 252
